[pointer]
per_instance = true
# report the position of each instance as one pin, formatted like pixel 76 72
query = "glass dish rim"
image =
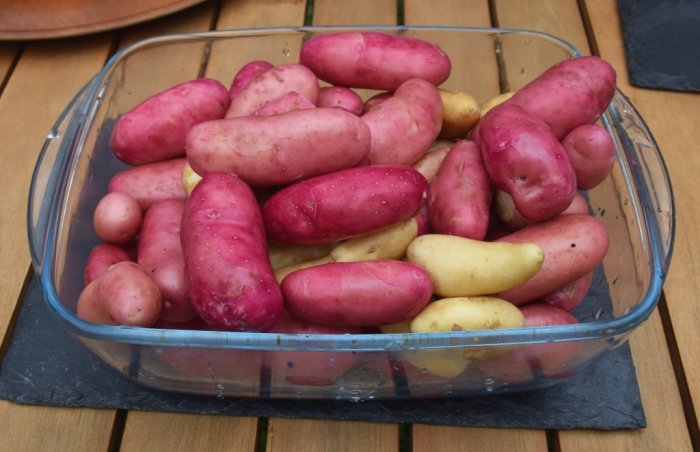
pixel 369 342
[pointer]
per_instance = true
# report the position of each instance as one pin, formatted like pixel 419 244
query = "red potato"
pixel 101 257
pixel 555 360
pixel 230 279
pixel 305 367
pixel 574 245
pixel 129 295
pixel 340 97
pixel 405 125
pixel 591 150
pixel 117 218
pixel 344 204
pixel 90 306
pixel 571 295
pixel 271 84
pixel 460 195
pixel 569 94
pixel 151 182
pixel 279 149
pixel 429 164
pixel 287 102
pixel 356 294
pixel 160 254
pixel 155 129
pixel 375 100
pixel 245 74
pixel 373 60
pixel 525 160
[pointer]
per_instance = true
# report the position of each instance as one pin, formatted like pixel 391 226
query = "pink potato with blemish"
pixel 357 294
pixel 574 245
pixel 272 84
pixel 592 153
pixel 228 272
pixel 340 97
pixel 373 60
pixel 344 204
pixel 160 254
pixel 523 158
pixel 155 129
pixel 570 295
pixel 459 198
pixel 279 149
pixel 151 182
pixel 405 125
pixel 569 94
pixel 129 295
pixel 287 102
pixel 246 73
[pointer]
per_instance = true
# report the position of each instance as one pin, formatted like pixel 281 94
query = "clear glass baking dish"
pixel 635 203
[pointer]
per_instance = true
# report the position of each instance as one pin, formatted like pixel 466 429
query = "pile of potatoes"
pixel 285 195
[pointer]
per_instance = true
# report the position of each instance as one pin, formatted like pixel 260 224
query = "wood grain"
pixel 293 435
pixel 428 438
pixel 170 432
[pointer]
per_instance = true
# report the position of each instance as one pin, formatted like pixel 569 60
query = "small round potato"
pixel 129 295
pixel 117 218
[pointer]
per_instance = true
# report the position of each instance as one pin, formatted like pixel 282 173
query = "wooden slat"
pixel 659 391
pixel 168 432
pixel 8 51
pixel 293 435
pixel 29 106
pixel 362 12
pixel 466 439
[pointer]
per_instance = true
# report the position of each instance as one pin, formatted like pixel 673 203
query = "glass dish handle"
pixel 650 174
pixel 51 174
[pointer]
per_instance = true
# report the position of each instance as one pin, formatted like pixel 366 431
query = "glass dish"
pixel 635 203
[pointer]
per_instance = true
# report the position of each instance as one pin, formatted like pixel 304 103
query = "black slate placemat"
pixel 661 43
pixel 44 365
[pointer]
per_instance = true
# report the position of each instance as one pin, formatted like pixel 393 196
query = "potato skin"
pixel 569 94
pixel 229 276
pixel 129 295
pixel 272 84
pixel 344 204
pixel 525 160
pixel 281 148
pixel 340 97
pixel 117 218
pixel 573 244
pixel 460 195
pixel 160 254
pixel 90 308
pixel 355 294
pixel 373 60
pixel 591 150
pixel 155 129
pixel 246 73
pixel 404 126
pixel 287 102
pixel 571 295
pixel 101 257
pixel 151 182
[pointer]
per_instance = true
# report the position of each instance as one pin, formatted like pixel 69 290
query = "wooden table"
pixel 39 78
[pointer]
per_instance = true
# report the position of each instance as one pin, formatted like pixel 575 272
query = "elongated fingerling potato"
pixel 373 60
pixel 229 276
pixel 246 73
pixel 388 243
pixel 465 267
pixel 366 293
pixel 160 254
pixel 281 148
pixel 340 97
pixel 272 84
pixel 404 126
pixel 151 182
pixel 344 204
pixel 523 158
pixel 155 129
pixel 573 245
pixel 459 198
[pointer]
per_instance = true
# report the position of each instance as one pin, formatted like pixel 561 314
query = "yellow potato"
pixel 469 313
pixel 189 178
pixel 489 104
pixel 387 243
pixel 286 255
pixel 281 273
pixel 465 267
pixel 429 164
pixel 460 111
